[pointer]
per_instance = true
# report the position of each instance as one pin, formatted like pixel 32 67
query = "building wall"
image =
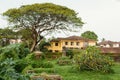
pixel 92 43
pixel 69 44
pixel 115 45
pixel 55 48
pixel 13 41
pixel 72 43
pixel 108 46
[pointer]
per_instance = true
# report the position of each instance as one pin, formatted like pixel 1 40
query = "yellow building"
pixel 71 42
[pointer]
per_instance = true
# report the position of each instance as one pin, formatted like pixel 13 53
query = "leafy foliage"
pixel 25 35
pixel 21 64
pixel 5 35
pixel 33 56
pixel 89 35
pixel 36 63
pixel 42 46
pixel 26 69
pixel 7 71
pixel 53 55
pixel 91 60
pixel 15 51
pixel 69 53
pixel 64 61
pixel 42 64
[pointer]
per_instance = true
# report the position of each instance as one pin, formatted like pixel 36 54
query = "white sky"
pixel 100 16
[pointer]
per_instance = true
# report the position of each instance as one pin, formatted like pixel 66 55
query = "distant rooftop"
pixel 108 42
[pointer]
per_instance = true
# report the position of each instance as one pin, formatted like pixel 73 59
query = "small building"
pixel 109 44
pixel 113 52
pixel 13 41
pixel 71 42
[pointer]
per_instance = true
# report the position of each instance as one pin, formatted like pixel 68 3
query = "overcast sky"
pixel 100 16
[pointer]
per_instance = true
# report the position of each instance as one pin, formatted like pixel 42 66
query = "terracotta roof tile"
pixel 110 50
pixel 73 38
pixel 108 42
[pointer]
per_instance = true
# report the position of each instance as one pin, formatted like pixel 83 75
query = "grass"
pixel 68 74
pixel 64 71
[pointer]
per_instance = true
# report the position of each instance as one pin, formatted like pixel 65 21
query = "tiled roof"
pixel 108 42
pixel 73 38
pixel 110 50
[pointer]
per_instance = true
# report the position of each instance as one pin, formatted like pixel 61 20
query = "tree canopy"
pixel 89 35
pixel 5 35
pixel 43 18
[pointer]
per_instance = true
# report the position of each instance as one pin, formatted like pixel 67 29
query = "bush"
pixel 41 64
pixel 37 63
pixel 42 46
pixel 53 55
pixel 8 53
pixel 21 64
pixel 15 51
pixel 26 69
pixel 47 65
pixel 32 56
pixel 69 53
pixel 7 71
pixel 64 61
pixel 91 60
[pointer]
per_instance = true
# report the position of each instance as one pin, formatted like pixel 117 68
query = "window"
pixel 56 51
pixel 66 43
pixel 72 43
pixel 77 43
pixel 56 44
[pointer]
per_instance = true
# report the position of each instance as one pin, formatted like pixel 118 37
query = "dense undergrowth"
pixel 17 63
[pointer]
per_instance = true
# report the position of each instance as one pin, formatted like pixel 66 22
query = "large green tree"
pixel 43 18
pixel 90 35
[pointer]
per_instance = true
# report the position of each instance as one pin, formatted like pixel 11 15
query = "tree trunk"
pixel 34 36
pixel 36 40
pixel 33 45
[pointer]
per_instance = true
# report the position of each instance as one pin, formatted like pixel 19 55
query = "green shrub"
pixel 21 64
pixel 64 58
pixel 64 61
pixel 33 57
pixel 74 69
pixel 15 51
pixel 42 46
pixel 69 53
pixel 37 63
pixel 29 67
pixel 53 55
pixel 42 64
pixel 8 53
pixel 47 65
pixel 91 60
pixel 30 56
pixel 7 71
pixel 76 51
